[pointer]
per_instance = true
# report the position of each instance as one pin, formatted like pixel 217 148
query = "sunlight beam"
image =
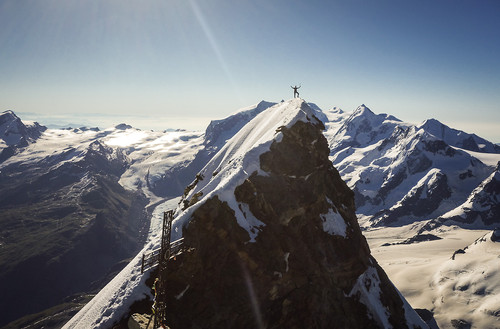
pixel 213 43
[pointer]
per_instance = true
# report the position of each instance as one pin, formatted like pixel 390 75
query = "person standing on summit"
pixel 295 91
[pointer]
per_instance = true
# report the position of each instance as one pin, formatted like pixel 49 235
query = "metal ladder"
pixel 164 256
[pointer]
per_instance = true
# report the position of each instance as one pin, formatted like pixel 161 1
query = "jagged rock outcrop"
pixel 284 250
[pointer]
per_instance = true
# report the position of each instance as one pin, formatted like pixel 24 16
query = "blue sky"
pixel 180 63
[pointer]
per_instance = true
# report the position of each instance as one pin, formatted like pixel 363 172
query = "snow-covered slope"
pixel 467 286
pixel 219 131
pixel 246 197
pixel 104 309
pixel 172 182
pixel 66 222
pixel 152 154
pixel 416 269
pixel 13 131
pixel 149 154
pixel 61 203
pixel 239 157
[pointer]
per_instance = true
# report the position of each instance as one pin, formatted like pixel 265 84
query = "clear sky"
pixel 180 63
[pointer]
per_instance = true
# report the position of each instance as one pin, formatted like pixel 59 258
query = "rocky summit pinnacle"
pixel 272 238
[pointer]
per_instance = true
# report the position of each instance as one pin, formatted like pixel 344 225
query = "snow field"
pixel 466 288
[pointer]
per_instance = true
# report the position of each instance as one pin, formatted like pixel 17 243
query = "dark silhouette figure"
pixel 295 91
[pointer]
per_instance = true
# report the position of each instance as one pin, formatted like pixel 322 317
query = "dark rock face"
pixel 495 236
pixel 428 317
pixel 439 146
pixel 295 274
pixel 460 324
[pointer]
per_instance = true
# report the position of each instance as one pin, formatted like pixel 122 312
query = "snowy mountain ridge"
pixel 239 157
pixel 219 131
pixel 401 172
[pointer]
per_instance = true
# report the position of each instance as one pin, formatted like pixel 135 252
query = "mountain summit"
pixel 273 240
pixel 15 134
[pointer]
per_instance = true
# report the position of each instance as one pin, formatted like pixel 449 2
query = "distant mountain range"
pixel 402 173
pixel 74 196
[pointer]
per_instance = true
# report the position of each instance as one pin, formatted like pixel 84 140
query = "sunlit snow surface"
pixel 372 151
pixel 466 288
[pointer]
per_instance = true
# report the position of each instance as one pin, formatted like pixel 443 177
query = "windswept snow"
pixel 467 287
pixel 368 285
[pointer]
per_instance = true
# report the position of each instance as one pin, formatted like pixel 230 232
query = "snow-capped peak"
pixel 11 128
pixel 8 114
pixel 240 155
pixel 14 133
pixel 363 110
